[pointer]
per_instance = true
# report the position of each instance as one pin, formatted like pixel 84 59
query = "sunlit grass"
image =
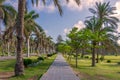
pixel 7 65
pixel 108 71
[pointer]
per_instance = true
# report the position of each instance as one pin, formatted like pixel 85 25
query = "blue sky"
pixel 73 15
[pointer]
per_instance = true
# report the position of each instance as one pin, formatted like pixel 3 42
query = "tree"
pixel 7 14
pixel 59 39
pixel 102 17
pixel 19 69
pixel 74 42
pixel 30 26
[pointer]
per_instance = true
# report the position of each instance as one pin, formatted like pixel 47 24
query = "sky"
pixel 73 15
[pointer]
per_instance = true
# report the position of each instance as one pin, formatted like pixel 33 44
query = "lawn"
pixel 31 73
pixel 102 70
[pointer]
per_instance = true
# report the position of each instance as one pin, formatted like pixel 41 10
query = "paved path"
pixel 6 57
pixel 59 70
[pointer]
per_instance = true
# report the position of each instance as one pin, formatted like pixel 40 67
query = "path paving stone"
pixel 59 70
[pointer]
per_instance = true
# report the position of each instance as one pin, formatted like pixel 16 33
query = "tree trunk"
pixel 97 60
pixel 82 54
pixel 19 67
pixel 8 49
pixel 93 54
pixel 76 58
pixel 28 46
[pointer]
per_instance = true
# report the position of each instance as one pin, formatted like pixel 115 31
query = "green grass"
pixel 36 71
pixel 102 70
pixel 7 65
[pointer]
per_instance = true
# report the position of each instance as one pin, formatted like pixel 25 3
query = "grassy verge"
pixel 31 73
pixel 102 70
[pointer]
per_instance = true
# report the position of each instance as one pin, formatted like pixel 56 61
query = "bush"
pixel 34 60
pixel 27 62
pixel 118 63
pixel 108 61
pixel 101 58
pixel 86 57
pixel 54 53
pixel 90 57
pixel 40 58
pixel 49 55
pixel 74 55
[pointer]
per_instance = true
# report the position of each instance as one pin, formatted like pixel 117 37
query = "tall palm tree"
pixel 19 68
pixel 30 26
pixel 7 14
pixel 104 12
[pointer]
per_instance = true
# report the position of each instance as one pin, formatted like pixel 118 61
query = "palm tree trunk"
pixel 19 67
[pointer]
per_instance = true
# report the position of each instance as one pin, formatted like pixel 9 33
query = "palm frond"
pixel 77 1
pixel 57 4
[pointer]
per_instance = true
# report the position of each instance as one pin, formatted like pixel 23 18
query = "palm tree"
pixel 6 11
pixel 105 12
pixel 92 25
pixel 19 68
pixel 30 26
pixel 101 23
pixel 7 14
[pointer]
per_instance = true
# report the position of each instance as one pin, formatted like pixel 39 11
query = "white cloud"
pixel 80 25
pixel 67 30
pixel 50 8
pixel 84 4
pixel 117 5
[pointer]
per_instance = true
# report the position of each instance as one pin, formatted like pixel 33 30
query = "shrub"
pixel 86 57
pixel 74 55
pixel 102 58
pixel 40 58
pixel 34 60
pixel 27 62
pixel 108 61
pixel 54 53
pixel 118 63
pixel 49 55
pixel 90 57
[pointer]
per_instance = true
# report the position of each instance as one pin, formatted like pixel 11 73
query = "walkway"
pixel 6 58
pixel 59 70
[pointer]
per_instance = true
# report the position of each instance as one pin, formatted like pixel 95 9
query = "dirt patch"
pixel 6 75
